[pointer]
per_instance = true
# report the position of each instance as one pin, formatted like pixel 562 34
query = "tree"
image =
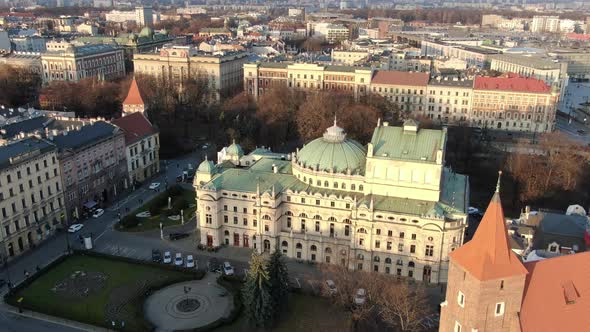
pixel 279 283
pixel 256 294
pixel 312 44
pixel 401 305
pixel 276 113
pixel 18 86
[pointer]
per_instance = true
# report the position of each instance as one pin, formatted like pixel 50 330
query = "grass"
pixel 305 313
pixel 118 290
pixel 153 222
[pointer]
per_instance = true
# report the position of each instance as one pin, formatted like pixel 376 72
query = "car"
pixel 581 132
pixel 360 297
pixel 74 228
pixel 98 213
pixel 205 146
pixel 190 261
pixel 228 270
pixel 154 185
pixel 167 257
pixel 156 256
pixel 472 210
pixel 331 286
pixel 178 261
pixel 177 236
pixel 179 178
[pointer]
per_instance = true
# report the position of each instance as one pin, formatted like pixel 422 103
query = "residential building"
pixel 578 62
pixel 211 32
pixel 545 24
pixel 407 89
pixel 474 56
pixel 513 103
pixel 349 57
pixel 558 232
pixel 92 161
pixel 449 100
pixel 224 71
pixel 64 61
pixel 258 77
pixel 328 31
pixel 29 61
pixel 142 146
pixel 401 61
pixel 542 68
pixel 31 195
pixel 28 43
pixel 490 289
pixel 390 207
pixel 144 16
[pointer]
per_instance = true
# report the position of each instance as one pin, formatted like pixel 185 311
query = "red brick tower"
pixel 133 103
pixel 486 279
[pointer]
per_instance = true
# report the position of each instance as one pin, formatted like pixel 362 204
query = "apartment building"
pixel 30 62
pixel 542 68
pixel 142 146
pixel 65 61
pixel 258 77
pixel 545 24
pixel 401 61
pixel 474 56
pixel 407 89
pixel 349 57
pixel 449 100
pixel 513 103
pixel 144 16
pixel 31 195
pixel 390 207
pixel 92 161
pixel 224 72
pixel 330 32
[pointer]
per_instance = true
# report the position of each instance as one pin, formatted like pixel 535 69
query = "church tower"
pixel 133 103
pixel 486 279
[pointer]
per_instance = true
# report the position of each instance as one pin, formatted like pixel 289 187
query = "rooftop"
pixel 400 78
pixel 512 83
pixel 26 126
pixel 402 143
pixel 565 225
pixel 86 135
pixel 134 96
pixel 83 50
pixel 9 154
pixel 533 61
pixel 136 127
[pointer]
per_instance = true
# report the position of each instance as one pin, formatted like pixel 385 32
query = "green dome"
pixel 146 32
pixel 333 152
pixel 235 150
pixel 206 166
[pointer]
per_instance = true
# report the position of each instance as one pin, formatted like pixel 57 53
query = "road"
pixel 102 231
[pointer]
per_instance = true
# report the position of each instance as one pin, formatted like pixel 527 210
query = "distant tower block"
pixel 133 103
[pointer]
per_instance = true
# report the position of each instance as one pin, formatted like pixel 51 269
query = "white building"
pixel 144 16
pixel 391 206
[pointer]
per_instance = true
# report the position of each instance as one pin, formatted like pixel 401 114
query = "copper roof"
pixel 488 255
pixel 557 294
pixel 133 97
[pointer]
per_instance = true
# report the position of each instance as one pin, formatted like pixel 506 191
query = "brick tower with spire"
pixel 134 102
pixel 486 280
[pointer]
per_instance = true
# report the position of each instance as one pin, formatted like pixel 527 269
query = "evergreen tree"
pixel 279 283
pixel 256 294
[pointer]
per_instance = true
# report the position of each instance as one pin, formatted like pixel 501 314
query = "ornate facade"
pixel 390 206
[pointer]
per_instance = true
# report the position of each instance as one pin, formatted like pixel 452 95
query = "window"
pixel 429 251
pixel 412 248
pixel 389 233
pixel 401 235
pixel 346 230
pixel 245 221
pixel 413 236
pixel 266 228
pixel 501 284
pixel 400 247
pixel 457 327
pixel 499 309
pixel 303 225
pixel 377 244
pixel 207 218
pixel 225 219
pixel 317 226
pixel 461 299
pixel 378 231
pixel 235 220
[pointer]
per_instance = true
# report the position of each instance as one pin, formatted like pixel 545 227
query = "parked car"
pixel 154 185
pixel 167 257
pixel 177 236
pixel 75 228
pixel 179 178
pixel 228 270
pixel 156 256
pixel 360 297
pixel 190 261
pixel 98 213
pixel 178 261
pixel 331 286
pixel 472 210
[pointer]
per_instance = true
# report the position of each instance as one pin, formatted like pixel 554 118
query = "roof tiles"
pixel 511 82
pixel 136 126
pixel 134 96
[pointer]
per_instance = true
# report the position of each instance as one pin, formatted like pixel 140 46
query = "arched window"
pixel 305 179
pixel 336 185
pixel 360 256
pixel 343 186
pixel 317 217
pixel 332 219
pixel 226 233
pixel 266 217
pixel 285 244
pixel 411 264
pixel 353 187
pixel 302 215
pixel 298 246
pixel 387 260
pixel 326 184
pixel 376 259
pixel 347 221
pixel 313 248
pixel 400 262
pixel 288 213
pixel 362 230
pixel 328 250
pixel 361 187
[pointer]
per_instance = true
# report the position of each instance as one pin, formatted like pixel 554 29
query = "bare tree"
pixel 400 304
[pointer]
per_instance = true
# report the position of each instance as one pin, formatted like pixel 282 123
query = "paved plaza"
pixel 188 305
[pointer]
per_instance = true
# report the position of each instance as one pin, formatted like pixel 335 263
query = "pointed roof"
pixel 134 96
pixel 488 255
pixel 136 127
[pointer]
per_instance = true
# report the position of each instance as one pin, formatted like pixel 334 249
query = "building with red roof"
pixel 407 89
pixel 142 145
pixel 133 102
pixel 490 289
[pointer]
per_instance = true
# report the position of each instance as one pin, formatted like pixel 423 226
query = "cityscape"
pixel 294 165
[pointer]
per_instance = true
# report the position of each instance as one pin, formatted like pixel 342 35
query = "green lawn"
pixel 153 222
pixel 120 297
pixel 305 313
